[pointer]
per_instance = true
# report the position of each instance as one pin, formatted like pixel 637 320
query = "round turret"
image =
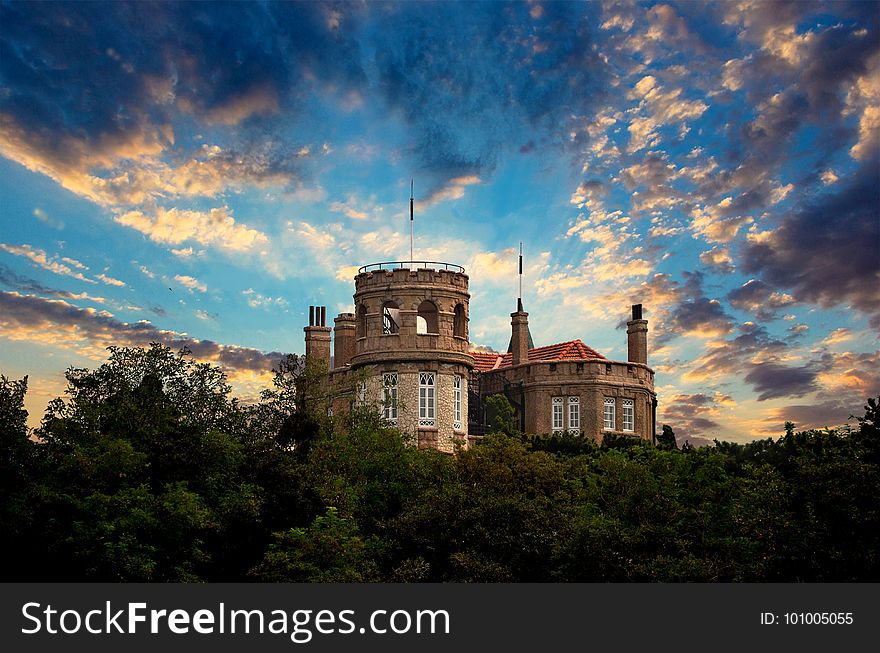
pixel 405 314
pixel 411 347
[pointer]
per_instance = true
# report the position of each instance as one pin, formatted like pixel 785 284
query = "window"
pixel 609 413
pixel 390 318
pixel 456 402
pixel 557 415
pixel 389 384
pixel 362 392
pixel 574 415
pixel 427 399
pixel 426 321
pixel 628 414
pixel 460 323
pixel 361 321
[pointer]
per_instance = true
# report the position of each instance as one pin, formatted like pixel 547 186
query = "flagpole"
pixel 410 223
pixel 519 305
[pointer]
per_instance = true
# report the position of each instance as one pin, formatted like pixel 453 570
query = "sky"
pixel 200 174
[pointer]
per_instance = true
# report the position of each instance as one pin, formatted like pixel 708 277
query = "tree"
pixel 666 440
pixel 146 473
pixel 500 415
pixel 329 551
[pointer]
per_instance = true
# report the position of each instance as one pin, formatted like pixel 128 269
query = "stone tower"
pixel 411 348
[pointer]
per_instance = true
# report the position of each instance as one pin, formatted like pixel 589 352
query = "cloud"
pixel 452 190
pixel 12 279
pixel 190 283
pixel 839 335
pixel 758 298
pixel 727 358
pixel 90 332
pixel 46 219
pixel 826 252
pixel 713 225
pixel 718 258
pixel 214 227
pixel 694 314
pixel 39 258
pixel 772 380
pixel 694 416
pixel 256 300
pixel 110 281
pixel 523 79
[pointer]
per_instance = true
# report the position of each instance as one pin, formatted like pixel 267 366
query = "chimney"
pixel 519 339
pixel 344 339
pixel 318 336
pixel 637 337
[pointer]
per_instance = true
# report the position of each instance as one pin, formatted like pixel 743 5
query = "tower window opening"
pixel 390 318
pixel 460 324
pixel 361 321
pixel 426 321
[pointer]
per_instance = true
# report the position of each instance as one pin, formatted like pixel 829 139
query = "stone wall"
pixel 442 436
pixel 589 380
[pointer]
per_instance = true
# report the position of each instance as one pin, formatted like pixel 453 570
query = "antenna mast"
pixel 519 304
pixel 410 223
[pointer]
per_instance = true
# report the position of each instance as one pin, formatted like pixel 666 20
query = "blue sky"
pixel 201 173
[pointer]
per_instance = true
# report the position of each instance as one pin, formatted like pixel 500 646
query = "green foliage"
pixel 666 440
pixel 148 470
pixel 328 551
pixel 500 415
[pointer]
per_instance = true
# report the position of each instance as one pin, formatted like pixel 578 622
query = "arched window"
pixel 426 322
pixel 460 324
pixel 390 318
pixel 361 321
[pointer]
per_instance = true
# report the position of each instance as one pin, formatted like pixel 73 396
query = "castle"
pixel 406 351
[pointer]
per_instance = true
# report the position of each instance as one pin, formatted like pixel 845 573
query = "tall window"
pixel 609 414
pixel 362 392
pixel 629 420
pixel 427 399
pixel 389 384
pixel 456 402
pixel 557 424
pixel 574 415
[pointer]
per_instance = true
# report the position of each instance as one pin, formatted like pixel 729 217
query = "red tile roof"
pixel 571 350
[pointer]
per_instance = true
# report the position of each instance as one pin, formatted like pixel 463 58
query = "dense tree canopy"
pixel 149 470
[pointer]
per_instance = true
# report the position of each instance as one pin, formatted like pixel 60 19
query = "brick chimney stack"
pixel 637 337
pixel 318 336
pixel 519 341
pixel 344 339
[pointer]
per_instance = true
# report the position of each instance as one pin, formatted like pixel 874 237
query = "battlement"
pixel 414 274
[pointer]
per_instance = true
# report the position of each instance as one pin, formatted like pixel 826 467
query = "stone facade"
pixel 409 323
pixel 533 386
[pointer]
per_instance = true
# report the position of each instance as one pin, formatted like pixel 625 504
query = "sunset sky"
pixel 201 173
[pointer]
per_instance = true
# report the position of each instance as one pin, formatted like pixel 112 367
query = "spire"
pixel 521 321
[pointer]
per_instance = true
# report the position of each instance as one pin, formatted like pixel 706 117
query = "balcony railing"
pixel 411 265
